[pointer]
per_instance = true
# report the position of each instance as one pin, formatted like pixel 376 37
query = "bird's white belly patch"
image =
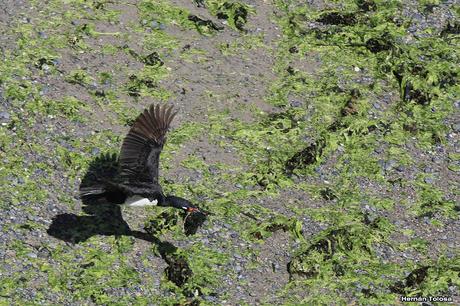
pixel 137 201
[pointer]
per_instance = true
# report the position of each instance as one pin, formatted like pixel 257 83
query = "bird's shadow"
pixel 103 217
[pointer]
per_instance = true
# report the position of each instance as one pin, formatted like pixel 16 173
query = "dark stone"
pixel 337 18
pixel 42 35
pixel 294 49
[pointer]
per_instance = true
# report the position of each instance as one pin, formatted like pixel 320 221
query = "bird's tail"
pixel 94 190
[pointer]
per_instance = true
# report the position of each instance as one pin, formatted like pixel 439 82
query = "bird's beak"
pixel 192 209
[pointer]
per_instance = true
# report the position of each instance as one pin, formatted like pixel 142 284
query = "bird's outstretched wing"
pixel 140 152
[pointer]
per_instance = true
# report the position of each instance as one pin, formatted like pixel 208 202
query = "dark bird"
pixel 137 182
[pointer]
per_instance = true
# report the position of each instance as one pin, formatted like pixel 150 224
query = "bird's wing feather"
pixel 139 156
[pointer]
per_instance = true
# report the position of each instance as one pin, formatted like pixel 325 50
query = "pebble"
pixel 4 117
pixel 212 299
pixel 456 127
pixel 390 164
pixel 428 170
pixel 44 253
pixel 39 172
pixel 155 24
pixel 429 180
pixel 32 255
pixel 213 170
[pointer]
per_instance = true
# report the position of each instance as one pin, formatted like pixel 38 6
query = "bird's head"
pixel 182 204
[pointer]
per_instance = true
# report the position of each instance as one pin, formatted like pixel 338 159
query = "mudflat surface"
pixel 321 136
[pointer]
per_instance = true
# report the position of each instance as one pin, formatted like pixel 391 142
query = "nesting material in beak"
pixel 193 220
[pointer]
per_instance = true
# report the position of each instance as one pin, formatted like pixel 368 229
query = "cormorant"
pixel 137 183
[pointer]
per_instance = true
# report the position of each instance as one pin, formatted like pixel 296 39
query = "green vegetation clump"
pixel 236 13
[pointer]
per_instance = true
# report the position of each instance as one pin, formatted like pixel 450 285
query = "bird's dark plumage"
pixel 140 152
pixel 139 163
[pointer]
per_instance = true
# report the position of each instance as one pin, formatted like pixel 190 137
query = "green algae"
pixel 366 41
pixel 234 12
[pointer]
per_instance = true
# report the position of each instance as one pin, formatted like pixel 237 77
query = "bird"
pixel 137 184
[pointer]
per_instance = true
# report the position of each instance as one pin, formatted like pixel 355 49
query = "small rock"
pixel 428 170
pixel 95 151
pixel 32 255
pixel 154 24
pixel 39 172
pixel 4 117
pixel 226 225
pixel 42 35
pixel 44 253
pixel 213 170
pixel 429 180
pixel 296 103
pixel 390 164
pixel 456 127
pixel 212 299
